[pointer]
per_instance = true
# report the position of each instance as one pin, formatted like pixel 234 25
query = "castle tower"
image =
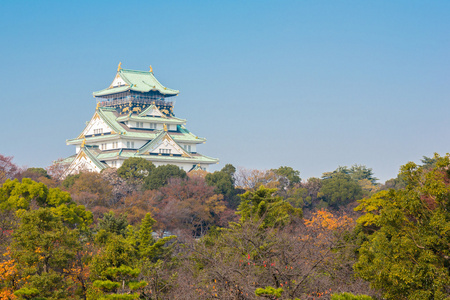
pixel 134 118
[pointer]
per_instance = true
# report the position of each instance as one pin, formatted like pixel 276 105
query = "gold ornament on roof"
pixel 83 143
pixel 98 105
pixel 119 67
pixel 165 127
pixel 151 69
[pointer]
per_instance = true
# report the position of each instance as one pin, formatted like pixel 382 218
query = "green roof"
pixel 194 158
pixel 138 81
pixel 151 119
pixel 177 137
pixel 109 116
pixel 93 157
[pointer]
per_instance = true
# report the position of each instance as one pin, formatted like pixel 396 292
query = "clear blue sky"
pixel 307 84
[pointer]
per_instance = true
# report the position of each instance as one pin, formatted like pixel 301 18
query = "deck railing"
pixel 134 100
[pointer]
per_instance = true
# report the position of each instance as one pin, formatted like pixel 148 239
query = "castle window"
pixel 165 151
pixel 98 131
pixel 152 125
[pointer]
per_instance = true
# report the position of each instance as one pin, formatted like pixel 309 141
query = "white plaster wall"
pixel 167 145
pixel 184 166
pixel 118 81
pixel 193 147
pixel 97 124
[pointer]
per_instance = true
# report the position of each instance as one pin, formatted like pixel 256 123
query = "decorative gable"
pixel 164 145
pixel 151 111
pixel 83 163
pixel 96 126
pixel 118 81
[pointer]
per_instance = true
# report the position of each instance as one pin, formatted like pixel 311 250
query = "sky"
pixel 308 84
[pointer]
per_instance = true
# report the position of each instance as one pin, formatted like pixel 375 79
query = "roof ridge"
pixel 107 121
pixel 93 158
pixel 136 71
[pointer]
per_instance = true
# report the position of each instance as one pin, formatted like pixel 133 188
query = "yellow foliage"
pixel 8 273
pixel 323 219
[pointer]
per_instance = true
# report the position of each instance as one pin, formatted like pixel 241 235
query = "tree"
pixel 45 241
pixel 293 261
pixel 249 179
pixel 89 189
pixel 428 162
pixel 312 186
pixel 120 282
pixel 28 194
pixel 288 176
pixel 223 181
pixel 112 224
pixel 135 169
pixel 265 206
pixel 129 266
pixel 189 206
pixel 394 183
pixel 340 189
pixel 407 233
pixel 160 176
pixel 349 296
pixel 9 278
pixel 137 204
pixel 42 249
pixel 35 173
pixel 57 170
pixel 361 172
pixel 120 187
pixel 8 170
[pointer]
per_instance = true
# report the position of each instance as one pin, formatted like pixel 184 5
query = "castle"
pixel 134 118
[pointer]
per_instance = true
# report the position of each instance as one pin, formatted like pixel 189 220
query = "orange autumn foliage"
pixel 8 274
pixel 325 220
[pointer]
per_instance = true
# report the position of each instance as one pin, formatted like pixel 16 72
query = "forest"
pixel 147 232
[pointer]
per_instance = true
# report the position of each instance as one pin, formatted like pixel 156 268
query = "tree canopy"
pixel 406 253
pixel 262 205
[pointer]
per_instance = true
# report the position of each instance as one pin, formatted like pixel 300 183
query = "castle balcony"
pixel 134 99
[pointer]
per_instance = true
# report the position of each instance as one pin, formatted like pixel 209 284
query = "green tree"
pixel 262 205
pixel 297 196
pixel 135 170
pixel 112 224
pixel 340 189
pixel 288 176
pixel 223 182
pixel 406 252
pixel 349 296
pixel 120 282
pixel 131 266
pixel 428 162
pixel 145 232
pixel 35 173
pixel 394 183
pixel 160 176
pixel 15 195
pixel 43 249
pixel 361 172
